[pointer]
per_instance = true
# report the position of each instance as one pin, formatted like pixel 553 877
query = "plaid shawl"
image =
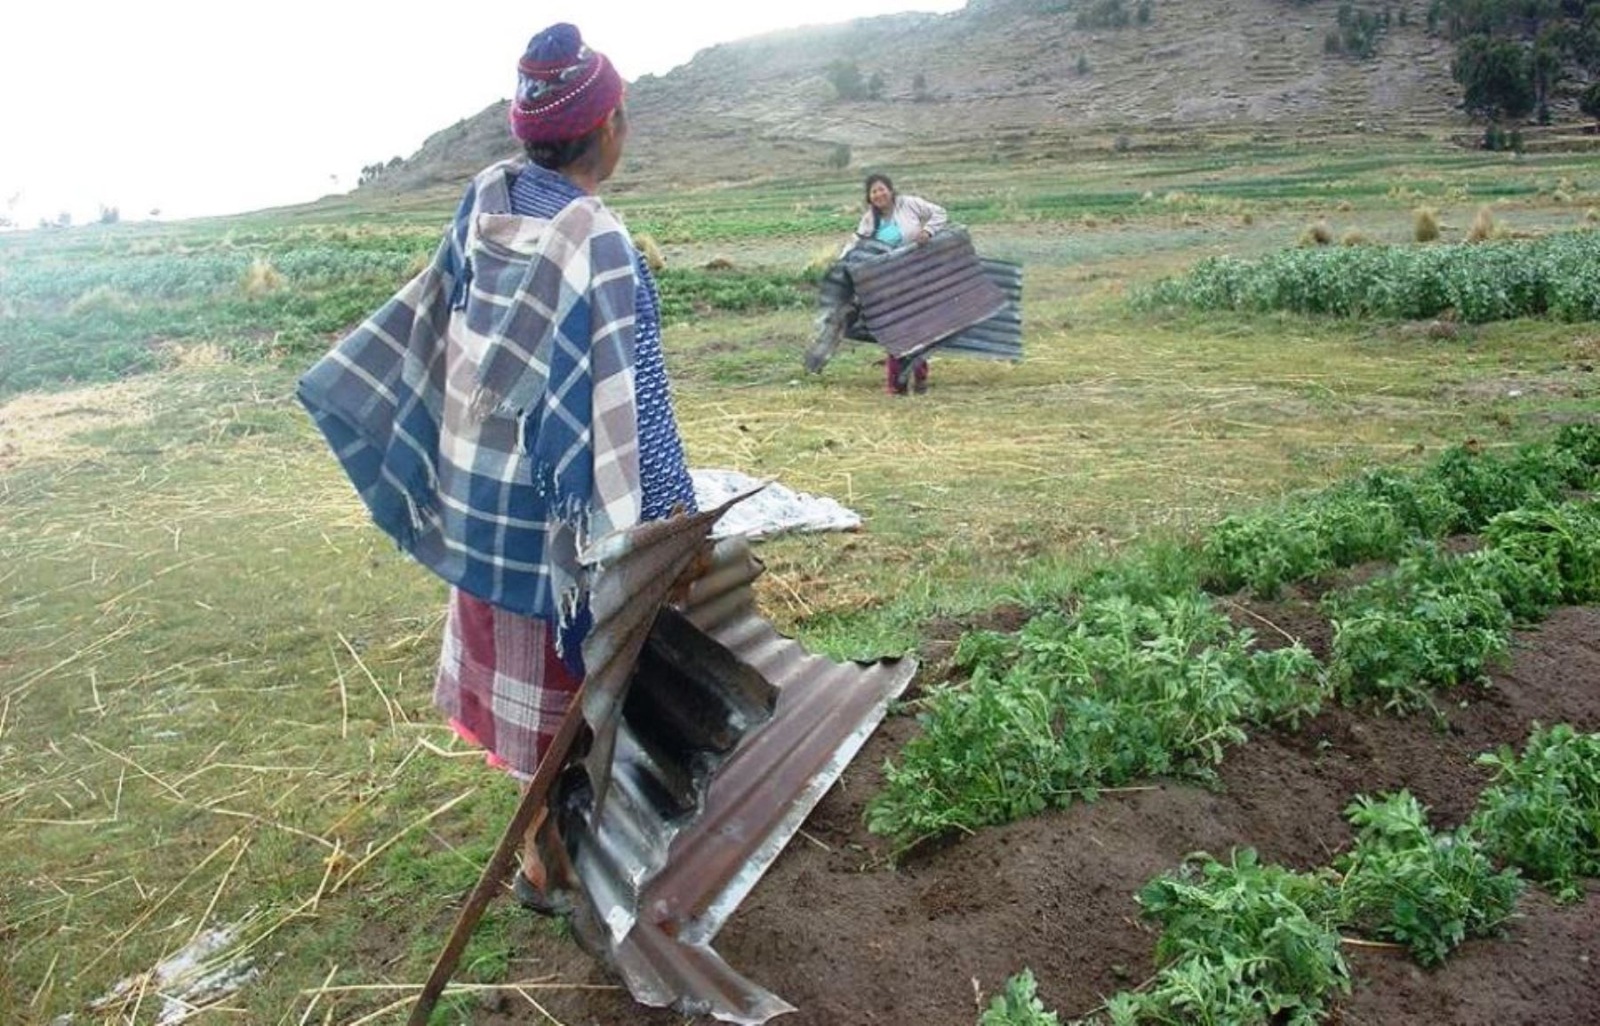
pixel 486 413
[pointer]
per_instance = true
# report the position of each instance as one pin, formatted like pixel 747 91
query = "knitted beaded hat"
pixel 564 89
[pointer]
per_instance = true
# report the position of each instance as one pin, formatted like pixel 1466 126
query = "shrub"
pixel 845 77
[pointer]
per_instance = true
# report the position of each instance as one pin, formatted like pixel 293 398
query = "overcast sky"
pixel 198 108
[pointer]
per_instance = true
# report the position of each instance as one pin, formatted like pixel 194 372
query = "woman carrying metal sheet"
pixel 510 405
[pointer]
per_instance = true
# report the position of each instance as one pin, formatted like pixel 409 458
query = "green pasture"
pixel 215 674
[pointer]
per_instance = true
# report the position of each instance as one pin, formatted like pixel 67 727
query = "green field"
pixel 215 673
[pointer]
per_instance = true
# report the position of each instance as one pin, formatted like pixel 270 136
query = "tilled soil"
pixel 850 939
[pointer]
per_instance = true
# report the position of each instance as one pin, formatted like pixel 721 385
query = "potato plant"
pixel 1541 813
pixel 1428 891
pixel 1118 692
pixel 1551 276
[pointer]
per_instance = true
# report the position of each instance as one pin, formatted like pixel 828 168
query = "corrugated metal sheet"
pixel 996 337
pixel 920 295
pixel 715 736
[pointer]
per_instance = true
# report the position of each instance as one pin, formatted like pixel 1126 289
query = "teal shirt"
pixel 889 233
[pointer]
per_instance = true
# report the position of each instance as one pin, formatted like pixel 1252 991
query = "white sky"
pixel 198 108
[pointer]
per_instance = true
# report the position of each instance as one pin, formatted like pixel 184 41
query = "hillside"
pixel 1017 78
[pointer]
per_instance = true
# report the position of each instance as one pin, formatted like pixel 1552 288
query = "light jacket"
pixel 911 213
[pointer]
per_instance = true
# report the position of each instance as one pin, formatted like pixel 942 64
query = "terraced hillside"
pixel 1015 78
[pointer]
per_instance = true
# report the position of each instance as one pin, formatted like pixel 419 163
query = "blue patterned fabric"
pixel 486 413
pixel 663 472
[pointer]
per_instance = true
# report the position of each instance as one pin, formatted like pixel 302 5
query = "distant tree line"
pixel 849 84
pixel 1511 55
pixel 372 172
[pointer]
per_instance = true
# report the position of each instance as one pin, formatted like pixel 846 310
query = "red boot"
pixel 892 381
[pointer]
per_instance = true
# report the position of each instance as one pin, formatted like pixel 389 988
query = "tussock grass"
pixel 652 251
pixel 1484 227
pixel 260 278
pixel 1318 233
pixel 1425 224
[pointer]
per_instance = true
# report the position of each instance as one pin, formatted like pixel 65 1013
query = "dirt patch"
pixel 1520 387
pixel 848 938
pixel 41 426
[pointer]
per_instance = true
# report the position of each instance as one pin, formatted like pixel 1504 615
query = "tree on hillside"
pixel 372 172
pixel 1104 14
pixel 1589 102
pixel 1495 78
pixel 846 80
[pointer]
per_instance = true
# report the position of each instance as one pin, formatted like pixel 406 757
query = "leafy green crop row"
pixel 1383 513
pixel 95 316
pixel 1438 621
pixel 689 292
pixel 1553 276
pixel 1117 692
pixel 1541 813
pixel 1246 943
pixel 1146 678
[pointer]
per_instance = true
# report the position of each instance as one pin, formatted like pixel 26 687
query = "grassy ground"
pixel 215 674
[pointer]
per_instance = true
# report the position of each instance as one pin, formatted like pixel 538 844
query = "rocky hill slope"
pixel 1021 78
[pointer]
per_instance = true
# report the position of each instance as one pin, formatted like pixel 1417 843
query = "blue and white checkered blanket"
pixel 486 413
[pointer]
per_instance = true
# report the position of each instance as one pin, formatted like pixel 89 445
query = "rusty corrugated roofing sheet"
pixel 996 337
pixel 920 295
pixel 728 735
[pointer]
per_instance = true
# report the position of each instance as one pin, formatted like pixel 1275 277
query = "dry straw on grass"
pixel 102 299
pixel 820 260
pixel 1355 237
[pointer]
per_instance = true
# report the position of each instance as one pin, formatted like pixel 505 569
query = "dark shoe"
pixel 537 901
pixel 919 386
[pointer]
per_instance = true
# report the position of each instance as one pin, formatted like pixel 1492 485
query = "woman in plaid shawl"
pixel 500 678
pixel 511 404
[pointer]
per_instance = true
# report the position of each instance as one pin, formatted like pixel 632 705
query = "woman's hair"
pixel 555 156
pixel 874 178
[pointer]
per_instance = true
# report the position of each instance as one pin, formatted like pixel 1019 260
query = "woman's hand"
pixel 923 235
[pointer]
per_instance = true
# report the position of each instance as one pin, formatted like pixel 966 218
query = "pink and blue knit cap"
pixel 564 89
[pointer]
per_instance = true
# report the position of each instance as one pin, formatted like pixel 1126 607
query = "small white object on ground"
pixel 774 510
